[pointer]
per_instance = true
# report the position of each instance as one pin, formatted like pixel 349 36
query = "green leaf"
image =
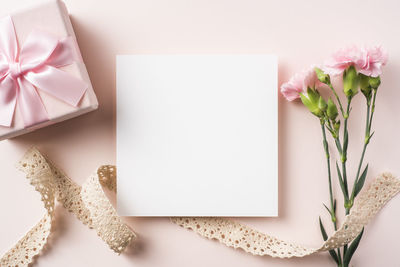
pixel 360 183
pixel 349 253
pixel 325 237
pixel 367 139
pixel 342 186
pixel 323 232
pixel 330 213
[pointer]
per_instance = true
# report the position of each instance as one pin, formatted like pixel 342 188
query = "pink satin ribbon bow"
pixel 34 66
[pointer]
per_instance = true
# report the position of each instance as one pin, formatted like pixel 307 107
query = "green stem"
pixel 373 110
pixel 337 98
pixel 344 159
pixel 345 184
pixel 327 154
pixel 344 151
pixel 368 124
pixel 333 210
pixel 366 142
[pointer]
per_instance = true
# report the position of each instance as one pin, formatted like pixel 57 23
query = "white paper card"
pixel 197 135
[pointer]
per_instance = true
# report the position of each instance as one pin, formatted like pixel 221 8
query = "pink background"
pixel 300 33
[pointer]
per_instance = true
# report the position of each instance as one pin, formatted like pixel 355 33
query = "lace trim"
pixel 87 202
pixel 236 235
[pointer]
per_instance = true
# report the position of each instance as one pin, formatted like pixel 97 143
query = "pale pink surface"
pixel 287 28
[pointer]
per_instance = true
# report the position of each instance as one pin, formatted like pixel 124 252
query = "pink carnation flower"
pixel 299 83
pixel 367 60
pixel 374 59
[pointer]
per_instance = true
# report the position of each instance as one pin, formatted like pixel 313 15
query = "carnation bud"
pixel 332 110
pixel 350 81
pixel 322 104
pixel 322 76
pixel 336 125
pixel 365 85
pixel 311 100
pixel 374 82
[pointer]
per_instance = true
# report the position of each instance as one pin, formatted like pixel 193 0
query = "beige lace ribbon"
pixel 91 206
pixel 87 202
pixel 236 235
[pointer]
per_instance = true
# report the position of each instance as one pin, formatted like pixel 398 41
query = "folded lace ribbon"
pixel 87 202
pixel 91 206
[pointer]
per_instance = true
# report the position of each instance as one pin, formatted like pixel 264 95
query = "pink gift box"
pixel 50 17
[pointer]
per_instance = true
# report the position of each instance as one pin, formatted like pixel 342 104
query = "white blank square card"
pixel 197 135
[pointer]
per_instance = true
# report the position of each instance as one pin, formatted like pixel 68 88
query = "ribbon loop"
pixel 37 49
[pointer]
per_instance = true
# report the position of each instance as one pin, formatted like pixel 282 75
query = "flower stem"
pixel 333 208
pixel 347 204
pixel 337 98
pixel 344 152
pixel 327 154
pixel 368 123
pixel 366 142
pixel 372 110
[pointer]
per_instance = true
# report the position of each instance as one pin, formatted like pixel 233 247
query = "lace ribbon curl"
pixel 87 202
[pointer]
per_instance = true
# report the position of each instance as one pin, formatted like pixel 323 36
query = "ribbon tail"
pixel 58 83
pixel 8 99
pixel 30 104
